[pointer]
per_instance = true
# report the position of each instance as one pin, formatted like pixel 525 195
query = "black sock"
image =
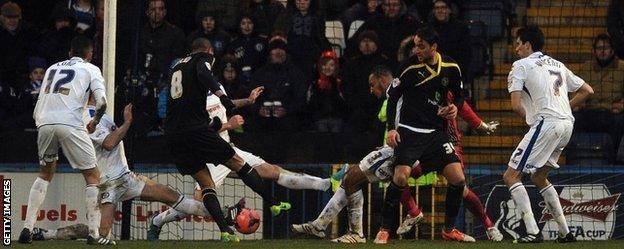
pixel 453 202
pixel 251 178
pixel 393 195
pixel 211 202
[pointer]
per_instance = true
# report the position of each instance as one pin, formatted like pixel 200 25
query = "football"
pixel 247 221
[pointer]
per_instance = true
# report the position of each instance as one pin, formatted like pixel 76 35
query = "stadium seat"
pixel 353 27
pixel 335 35
pixel 590 149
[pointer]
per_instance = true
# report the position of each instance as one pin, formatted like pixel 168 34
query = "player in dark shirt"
pixel 417 123
pixel 192 135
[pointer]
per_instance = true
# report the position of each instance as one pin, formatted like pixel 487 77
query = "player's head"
pixel 379 80
pixel 426 44
pixel 156 11
pixel 529 39
pixel 201 45
pixel 82 47
pixel 603 48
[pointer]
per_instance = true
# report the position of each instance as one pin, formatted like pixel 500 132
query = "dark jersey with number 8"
pixel 190 81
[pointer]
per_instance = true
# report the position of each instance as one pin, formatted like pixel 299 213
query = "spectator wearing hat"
pixel 391 27
pixel 18 102
pixel 265 12
pixel 305 30
pixel 55 42
pixel 326 99
pixel 248 47
pixel 280 106
pixel 209 29
pixel 18 41
pixel 363 106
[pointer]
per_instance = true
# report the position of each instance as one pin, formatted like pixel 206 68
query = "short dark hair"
pixel 381 70
pixel 602 37
pixel 533 35
pixel 80 46
pixel 428 34
pixel 200 44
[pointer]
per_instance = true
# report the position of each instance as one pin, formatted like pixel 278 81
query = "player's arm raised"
pixel 113 138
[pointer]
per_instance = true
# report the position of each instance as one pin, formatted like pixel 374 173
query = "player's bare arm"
pixel 233 123
pixel 581 95
pixel 393 139
pixel 516 103
pixel 113 139
pixel 255 93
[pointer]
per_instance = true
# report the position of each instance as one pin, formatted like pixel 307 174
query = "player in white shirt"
pixel 267 171
pixel 118 183
pixel 58 116
pixel 539 87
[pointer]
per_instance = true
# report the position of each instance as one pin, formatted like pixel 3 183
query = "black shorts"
pixel 433 150
pixel 192 150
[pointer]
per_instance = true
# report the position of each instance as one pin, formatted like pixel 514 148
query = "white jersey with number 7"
pixel 65 91
pixel 545 83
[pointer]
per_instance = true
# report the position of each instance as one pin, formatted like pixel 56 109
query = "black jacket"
pixel 282 82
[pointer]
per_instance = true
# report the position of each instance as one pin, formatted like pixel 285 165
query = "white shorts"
pixel 377 164
pixel 542 145
pixel 220 172
pixel 126 187
pixel 76 144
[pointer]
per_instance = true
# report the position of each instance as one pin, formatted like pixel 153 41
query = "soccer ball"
pixel 247 221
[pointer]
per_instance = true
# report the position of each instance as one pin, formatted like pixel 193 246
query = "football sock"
pixel 293 180
pixel 523 203
pixel 251 178
pixel 473 203
pixel 211 202
pixel 332 209
pixel 35 198
pixel 355 202
pixel 393 194
pixel 452 204
pixel 554 206
pixel 93 210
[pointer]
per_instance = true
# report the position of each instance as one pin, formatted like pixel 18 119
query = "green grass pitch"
pixel 312 243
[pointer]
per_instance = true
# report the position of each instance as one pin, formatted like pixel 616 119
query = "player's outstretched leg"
pixel 294 180
pixel 331 210
pixel 251 178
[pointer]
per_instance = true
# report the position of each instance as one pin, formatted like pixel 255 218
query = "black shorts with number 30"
pixel 192 150
pixel 433 150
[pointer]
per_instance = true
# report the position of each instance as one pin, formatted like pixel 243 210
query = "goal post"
pixel 108 56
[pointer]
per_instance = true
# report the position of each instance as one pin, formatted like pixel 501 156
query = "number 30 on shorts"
pixel 448 148
pixel 176 84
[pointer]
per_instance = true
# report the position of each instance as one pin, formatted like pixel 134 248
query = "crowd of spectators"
pixel 309 84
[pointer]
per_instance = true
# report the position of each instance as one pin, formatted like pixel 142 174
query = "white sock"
pixel 35 198
pixel 190 206
pixel 356 210
pixel 293 180
pixel 169 215
pixel 521 198
pixel 332 209
pixel 93 210
pixel 554 206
